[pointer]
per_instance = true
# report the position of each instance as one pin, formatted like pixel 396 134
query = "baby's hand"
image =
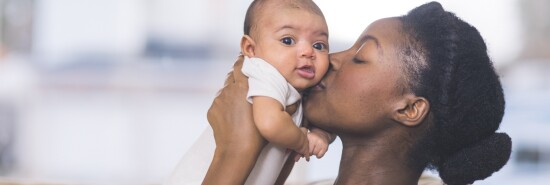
pixel 318 144
pixel 304 151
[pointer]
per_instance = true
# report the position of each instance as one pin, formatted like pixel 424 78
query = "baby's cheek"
pixel 322 70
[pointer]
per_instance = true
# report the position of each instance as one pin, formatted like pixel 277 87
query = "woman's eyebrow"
pixel 370 37
pixel 366 38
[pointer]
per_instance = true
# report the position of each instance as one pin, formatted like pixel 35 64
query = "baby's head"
pixel 292 35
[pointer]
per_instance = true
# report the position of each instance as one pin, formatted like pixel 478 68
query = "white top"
pixel 263 80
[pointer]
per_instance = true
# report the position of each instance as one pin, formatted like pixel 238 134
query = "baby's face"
pixel 295 42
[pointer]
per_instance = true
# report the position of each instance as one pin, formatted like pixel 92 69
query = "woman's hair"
pixel 445 61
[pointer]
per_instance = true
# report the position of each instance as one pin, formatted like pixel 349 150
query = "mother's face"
pixel 357 94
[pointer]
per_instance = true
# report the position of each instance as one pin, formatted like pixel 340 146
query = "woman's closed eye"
pixel 288 41
pixel 358 61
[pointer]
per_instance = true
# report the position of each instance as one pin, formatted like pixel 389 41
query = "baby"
pixel 285 45
pixel 286 51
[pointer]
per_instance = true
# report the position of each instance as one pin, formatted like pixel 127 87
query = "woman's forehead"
pixel 386 29
pixel 385 33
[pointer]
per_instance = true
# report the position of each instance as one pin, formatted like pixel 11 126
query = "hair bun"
pixel 478 161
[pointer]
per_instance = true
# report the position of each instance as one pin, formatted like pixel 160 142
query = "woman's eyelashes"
pixel 357 61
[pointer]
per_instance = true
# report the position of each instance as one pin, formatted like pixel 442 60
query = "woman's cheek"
pixel 351 86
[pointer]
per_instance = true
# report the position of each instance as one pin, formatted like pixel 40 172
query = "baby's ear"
pixel 412 110
pixel 247 46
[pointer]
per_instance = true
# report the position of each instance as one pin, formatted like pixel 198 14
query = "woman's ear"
pixel 247 46
pixel 412 110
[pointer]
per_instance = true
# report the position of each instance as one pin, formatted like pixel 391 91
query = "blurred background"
pixel 115 91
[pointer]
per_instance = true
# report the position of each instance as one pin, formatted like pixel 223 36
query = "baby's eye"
pixel 287 41
pixel 320 46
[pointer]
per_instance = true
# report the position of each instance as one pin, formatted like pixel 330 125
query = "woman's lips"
pixel 314 90
pixel 307 72
pixel 319 86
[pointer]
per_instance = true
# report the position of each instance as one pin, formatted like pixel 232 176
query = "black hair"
pixel 257 5
pixel 446 61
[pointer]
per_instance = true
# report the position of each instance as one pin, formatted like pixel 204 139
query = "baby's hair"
pixel 256 7
pixel 445 61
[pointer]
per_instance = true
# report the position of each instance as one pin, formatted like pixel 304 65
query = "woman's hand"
pixel 238 142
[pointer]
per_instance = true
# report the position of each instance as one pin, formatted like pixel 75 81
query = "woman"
pixel 414 92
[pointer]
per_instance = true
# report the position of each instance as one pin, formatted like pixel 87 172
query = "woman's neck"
pixel 376 161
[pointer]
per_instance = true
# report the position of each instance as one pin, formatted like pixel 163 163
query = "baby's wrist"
pixel 301 145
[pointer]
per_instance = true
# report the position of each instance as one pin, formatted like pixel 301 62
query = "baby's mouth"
pixel 306 72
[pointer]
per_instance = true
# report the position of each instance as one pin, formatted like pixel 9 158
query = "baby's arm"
pixel 319 140
pixel 276 125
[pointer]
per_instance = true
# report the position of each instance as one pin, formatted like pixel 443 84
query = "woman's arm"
pixel 236 136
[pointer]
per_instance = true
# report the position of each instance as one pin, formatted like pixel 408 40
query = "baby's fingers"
pixel 312 148
pixel 307 154
pixel 321 153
